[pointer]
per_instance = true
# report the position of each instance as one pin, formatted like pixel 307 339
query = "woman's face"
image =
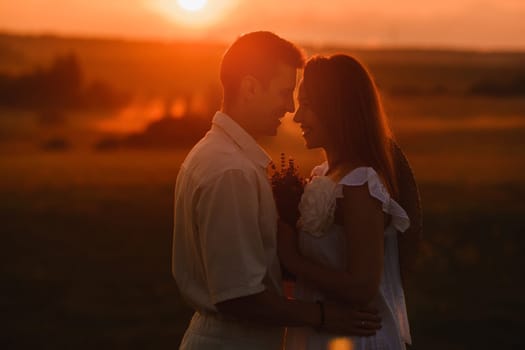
pixel 314 131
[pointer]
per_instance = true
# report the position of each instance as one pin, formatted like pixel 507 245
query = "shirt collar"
pixel 244 140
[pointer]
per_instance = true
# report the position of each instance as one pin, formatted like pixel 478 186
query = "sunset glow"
pixel 133 118
pixel 495 24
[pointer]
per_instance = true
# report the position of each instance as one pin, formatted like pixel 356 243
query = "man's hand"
pixel 347 321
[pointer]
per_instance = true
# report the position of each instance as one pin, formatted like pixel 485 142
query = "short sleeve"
pixel 376 188
pixel 319 170
pixel 231 245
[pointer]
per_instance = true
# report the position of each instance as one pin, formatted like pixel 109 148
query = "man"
pixel 224 241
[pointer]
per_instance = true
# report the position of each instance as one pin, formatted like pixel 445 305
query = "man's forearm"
pixel 270 308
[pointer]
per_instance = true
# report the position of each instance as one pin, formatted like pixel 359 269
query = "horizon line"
pixel 302 43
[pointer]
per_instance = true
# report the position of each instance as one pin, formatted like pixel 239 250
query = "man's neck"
pixel 240 118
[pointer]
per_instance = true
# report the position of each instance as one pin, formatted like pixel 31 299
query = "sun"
pixel 192 5
pixel 194 14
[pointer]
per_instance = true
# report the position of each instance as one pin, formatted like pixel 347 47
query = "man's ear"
pixel 249 86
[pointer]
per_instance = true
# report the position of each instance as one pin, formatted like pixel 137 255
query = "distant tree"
pixel 170 133
pixel 61 86
pixel 108 143
pixel 58 86
pixel 56 144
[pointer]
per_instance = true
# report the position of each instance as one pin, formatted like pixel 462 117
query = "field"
pixel 86 235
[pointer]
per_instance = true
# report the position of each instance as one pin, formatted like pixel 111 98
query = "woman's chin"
pixel 310 145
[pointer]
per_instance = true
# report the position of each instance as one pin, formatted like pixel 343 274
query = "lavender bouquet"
pixel 288 187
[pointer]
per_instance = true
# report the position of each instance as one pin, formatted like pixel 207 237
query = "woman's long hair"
pixel 343 94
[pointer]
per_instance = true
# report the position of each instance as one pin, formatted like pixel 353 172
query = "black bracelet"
pixel 321 309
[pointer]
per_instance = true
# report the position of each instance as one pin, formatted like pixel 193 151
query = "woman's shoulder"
pixel 376 189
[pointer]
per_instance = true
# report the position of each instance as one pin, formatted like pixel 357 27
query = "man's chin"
pixel 272 131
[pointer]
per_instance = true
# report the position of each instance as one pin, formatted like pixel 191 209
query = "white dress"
pixel 321 240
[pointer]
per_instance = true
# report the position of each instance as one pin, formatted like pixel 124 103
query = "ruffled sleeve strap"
pixel 377 189
pixel 319 170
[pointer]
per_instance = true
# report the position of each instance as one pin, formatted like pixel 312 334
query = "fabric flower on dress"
pixel 317 206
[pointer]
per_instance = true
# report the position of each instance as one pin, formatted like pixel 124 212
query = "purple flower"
pixel 288 187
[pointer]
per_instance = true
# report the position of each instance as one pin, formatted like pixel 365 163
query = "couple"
pixel 229 243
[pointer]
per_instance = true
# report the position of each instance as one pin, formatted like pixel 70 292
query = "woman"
pixel 346 249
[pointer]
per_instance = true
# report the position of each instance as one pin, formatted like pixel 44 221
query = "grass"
pixel 87 244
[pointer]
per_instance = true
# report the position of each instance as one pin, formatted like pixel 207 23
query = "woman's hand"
pixel 287 246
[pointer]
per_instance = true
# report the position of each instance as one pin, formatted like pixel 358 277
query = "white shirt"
pixel 225 220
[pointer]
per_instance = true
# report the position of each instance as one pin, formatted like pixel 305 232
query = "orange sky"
pixel 485 24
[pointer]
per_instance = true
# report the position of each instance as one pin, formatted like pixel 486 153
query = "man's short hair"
pixel 256 54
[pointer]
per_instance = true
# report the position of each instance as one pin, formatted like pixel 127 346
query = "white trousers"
pixel 207 331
